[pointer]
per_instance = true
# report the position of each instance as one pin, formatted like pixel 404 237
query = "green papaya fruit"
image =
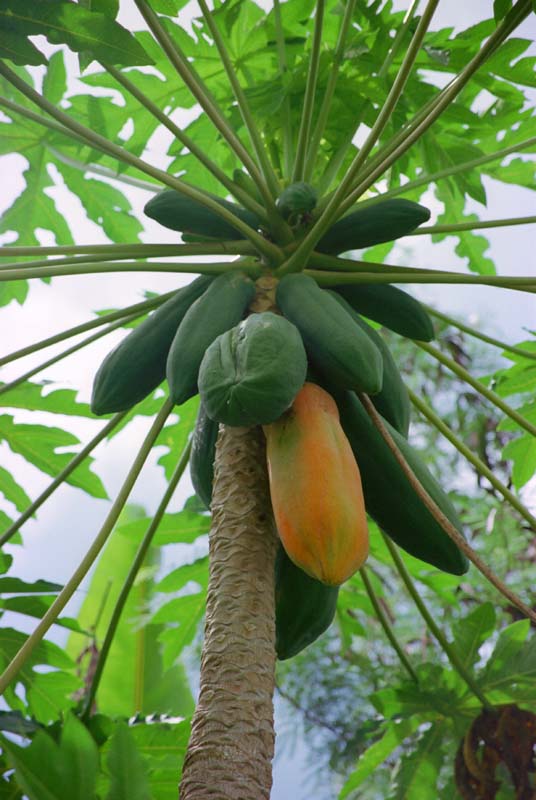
pixel 202 455
pixel 391 307
pixel 374 224
pixel 134 368
pixel 222 306
pixel 338 348
pixel 304 607
pixel 393 401
pixel 298 198
pixel 389 497
pixel 180 213
pixel 251 374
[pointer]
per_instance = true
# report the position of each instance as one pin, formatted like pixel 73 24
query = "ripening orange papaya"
pixel 315 487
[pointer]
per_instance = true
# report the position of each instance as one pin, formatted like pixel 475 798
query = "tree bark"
pixel 232 741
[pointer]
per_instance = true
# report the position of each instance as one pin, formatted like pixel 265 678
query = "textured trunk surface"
pixel 231 746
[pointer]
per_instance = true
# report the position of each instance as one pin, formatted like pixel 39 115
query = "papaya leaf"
pixel 72 24
pixel 418 771
pixel 394 733
pixel 471 632
pixel 522 452
pixel 128 770
pixel 47 770
pixel 43 397
pixel 38 445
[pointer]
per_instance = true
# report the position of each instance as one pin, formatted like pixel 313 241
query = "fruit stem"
pixel 208 268
pixel 386 625
pixel 482 336
pixel 242 103
pixel 434 629
pixel 479 465
pixel 51 615
pixel 480 388
pixel 131 577
pixel 309 96
pixel 314 144
pixel 474 225
pixel 286 118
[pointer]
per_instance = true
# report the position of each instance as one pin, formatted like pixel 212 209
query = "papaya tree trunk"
pixel 232 741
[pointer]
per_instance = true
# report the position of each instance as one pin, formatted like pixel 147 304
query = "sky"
pixel 73 517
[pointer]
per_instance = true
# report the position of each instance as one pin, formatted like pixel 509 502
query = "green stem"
pixel 314 144
pixel 397 41
pixel 482 336
pixel 118 251
pixel 181 64
pixel 146 305
pixel 269 250
pixel 243 105
pixel 434 629
pixel 479 465
pixel 6 387
pixel 189 143
pixel 121 252
pixel 403 141
pixel 322 262
pixel 387 108
pixel 286 117
pixel 61 477
pixel 51 615
pixel 208 268
pixel 335 163
pixel 309 96
pixel 518 282
pixel 440 517
pixel 475 225
pixel 106 172
pixel 333 208
pixel 455 169
pixel 136 565
pixel 386 625
pixel 478 386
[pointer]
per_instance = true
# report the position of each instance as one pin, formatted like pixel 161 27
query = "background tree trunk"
pixel 232 742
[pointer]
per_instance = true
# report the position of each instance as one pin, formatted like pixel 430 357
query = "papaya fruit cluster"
pixel 297 371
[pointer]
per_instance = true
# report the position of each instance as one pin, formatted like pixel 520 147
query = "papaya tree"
pixel 278 142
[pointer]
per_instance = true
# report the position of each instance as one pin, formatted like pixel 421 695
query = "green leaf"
pixel 38 397
pixel 48 771
pixel 34 606
pixel 12 585
pixel 183 527
pixel 522 451
pixel 501 9
pixel 147 686
pixel 471 632
pixel 19 49
pixel 129 773
pixel 418 772
pixel 80 29
pixel 38 445
pixel 12 491
pixel 395 732
pixel 513 659
pixel 51 693
pixel 175 437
